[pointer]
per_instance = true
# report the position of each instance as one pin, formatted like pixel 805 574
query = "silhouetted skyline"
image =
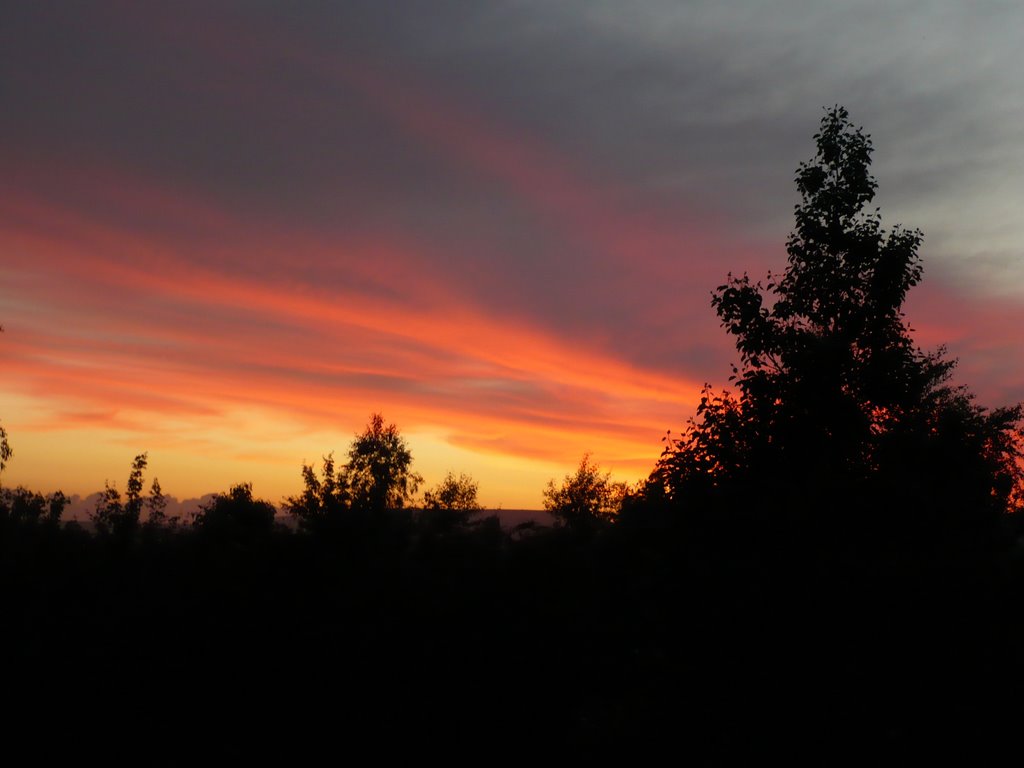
pixel 844 525
pixel 228 234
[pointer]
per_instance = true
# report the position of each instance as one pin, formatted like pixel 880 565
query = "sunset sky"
pixel 230 231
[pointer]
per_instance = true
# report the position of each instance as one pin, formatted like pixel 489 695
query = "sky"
pixel 231 231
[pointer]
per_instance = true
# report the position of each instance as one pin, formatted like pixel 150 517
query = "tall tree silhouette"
pixel 834 399
pixel 121 518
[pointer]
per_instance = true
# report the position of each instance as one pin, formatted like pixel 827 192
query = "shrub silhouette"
pixel 235 517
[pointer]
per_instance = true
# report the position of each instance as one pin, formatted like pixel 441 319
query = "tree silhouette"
pixel 121 518
pixel 377 476
pixel 452 502
pixel 323 501
pixel 379 468
pixel 133 491
pixel 156 505
pixel 235 517
pixel 834 399
pixel 5 449
pixel 453 493
pixel 24 507
pixel 585 500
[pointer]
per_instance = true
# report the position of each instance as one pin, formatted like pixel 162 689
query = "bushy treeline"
pixel 237 638
pixel 825 566
pixel 427 630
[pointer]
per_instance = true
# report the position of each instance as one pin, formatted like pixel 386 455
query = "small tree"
pixel 24 507
pixel 236 516
pixel 457 494
pixel 133 491
pixel 121 518
pixel 5 449
pixel 109 511
pixel 452 502
pixel 323 501
pixel 586 499
pixel 156 506
pixel 379 469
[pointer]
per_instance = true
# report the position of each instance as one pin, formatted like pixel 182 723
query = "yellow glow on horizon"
pixel 267 449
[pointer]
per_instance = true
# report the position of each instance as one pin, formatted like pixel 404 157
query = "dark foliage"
pixel 451 504
pixel 5 449
pixel 839 421
pixel 377 478
pixel 323 502
pixel 236 517
pixel 586 500
pixel 121 518
pixel 22 507
pixel 379 468
pixel 454 494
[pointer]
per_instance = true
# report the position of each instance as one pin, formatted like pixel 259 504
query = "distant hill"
pixel 510 518
pixel 81 507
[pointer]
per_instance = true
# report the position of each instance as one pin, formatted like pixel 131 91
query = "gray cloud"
pixel 694 113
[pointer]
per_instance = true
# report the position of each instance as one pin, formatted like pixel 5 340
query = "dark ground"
pixel 180 649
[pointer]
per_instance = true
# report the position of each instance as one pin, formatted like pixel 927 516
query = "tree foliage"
pixel 834 400
pixel 377 476
pixel 456 494
pixel 120 516
pixel 157 504
pixel 24 507
pixel 133 490
pixel 236 517
pixel 379 469
pixel 586 499
pixel 108 515
pixel 322 500
pixel 452 502
pixel 5 449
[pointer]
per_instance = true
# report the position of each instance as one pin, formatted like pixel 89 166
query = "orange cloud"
pixel 138 338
